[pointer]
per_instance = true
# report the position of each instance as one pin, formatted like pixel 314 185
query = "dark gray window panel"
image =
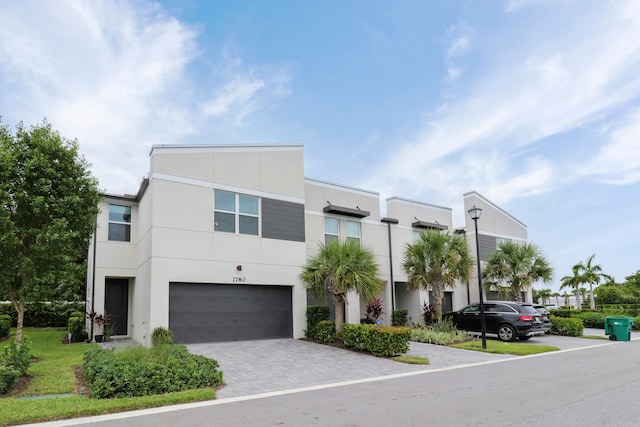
pixel 487 246
pixel 282 220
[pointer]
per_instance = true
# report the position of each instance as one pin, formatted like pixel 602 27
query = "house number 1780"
pixel 239 279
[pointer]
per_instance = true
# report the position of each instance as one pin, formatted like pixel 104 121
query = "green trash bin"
pixel 618 328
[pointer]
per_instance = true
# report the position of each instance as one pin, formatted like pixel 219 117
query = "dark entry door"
pixel 117 303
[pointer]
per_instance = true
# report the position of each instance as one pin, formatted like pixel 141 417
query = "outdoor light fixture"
pixel 239 267
pixel 475 213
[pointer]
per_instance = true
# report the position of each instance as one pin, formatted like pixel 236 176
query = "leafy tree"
pixel 48 202
pixel 434 262
pixel 544 295
pixel 519 265
pixel 339 268
pixel 592 274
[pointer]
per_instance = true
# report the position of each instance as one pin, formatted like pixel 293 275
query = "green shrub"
pixel 592 319
pixel 399 317
pixel 14 362
pixel 5 325
pixel 431 336
pixel 566 326
pixel 8 377
pixel 161 336
pixel 636 323
pixel 315 315
pixel 75 327
pixel 378 340
pixel 142 372
pixel 44 314
pixel 562 312
pixel 326 331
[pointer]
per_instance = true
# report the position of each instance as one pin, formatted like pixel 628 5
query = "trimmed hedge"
pixel 142 372
pixel 315 315
pixel 572 327
pixel 5 325
pixel 326 331
pixel 378 340
pixel 43 314
pixel 399 317
pixel 592 319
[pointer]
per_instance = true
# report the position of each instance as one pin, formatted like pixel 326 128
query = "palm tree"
pixel 434 262
pixel 339 268
pixel 556 295
pixel 592 274
pixel 544 294
pixel 573 282
pixel 519 265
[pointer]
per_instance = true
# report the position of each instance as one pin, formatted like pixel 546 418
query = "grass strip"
pixel 500 347
pixel 412 360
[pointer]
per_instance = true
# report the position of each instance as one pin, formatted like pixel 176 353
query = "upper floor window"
pixel 120 223
pixel 331 230
pixel 236 213
pixel 353 231
pixel 350 230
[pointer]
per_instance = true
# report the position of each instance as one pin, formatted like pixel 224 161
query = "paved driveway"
pixel 253 367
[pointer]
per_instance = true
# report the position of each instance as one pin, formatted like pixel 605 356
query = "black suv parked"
pixel 507 319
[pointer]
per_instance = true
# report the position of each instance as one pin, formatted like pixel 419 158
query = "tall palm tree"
pixel 592 274
pixel 519 265
pixel 573 282
pixel 434 262
pixel 556 295
pixel 339 268
pixel 544 294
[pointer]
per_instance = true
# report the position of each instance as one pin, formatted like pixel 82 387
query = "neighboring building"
pixel 212 244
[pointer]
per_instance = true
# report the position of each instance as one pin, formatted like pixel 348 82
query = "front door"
pixel 117 303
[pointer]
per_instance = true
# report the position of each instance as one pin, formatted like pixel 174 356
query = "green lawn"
pixel 53 373
pixel 500 347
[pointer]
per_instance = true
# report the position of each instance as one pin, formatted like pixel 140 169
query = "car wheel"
pixel 506 332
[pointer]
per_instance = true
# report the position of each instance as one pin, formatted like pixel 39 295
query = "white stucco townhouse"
pixel 212 243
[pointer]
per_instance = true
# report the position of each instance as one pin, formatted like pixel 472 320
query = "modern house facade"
pixel 212 244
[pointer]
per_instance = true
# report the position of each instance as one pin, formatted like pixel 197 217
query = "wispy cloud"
pixel 118 76
pixel 579 72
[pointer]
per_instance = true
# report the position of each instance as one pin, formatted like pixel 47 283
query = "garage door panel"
pixel 220 312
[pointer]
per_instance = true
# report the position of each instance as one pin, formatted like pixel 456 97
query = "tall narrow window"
pixel 120 223
pixel 331 230
pixel 236 213
pixel 353 231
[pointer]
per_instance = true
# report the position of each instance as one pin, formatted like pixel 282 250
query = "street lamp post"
pixel 474 213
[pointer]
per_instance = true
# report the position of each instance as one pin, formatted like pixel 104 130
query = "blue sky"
pixel 534 104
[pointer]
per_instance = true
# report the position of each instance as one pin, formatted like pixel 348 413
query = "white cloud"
pixel 118 76
pixel 618 161
pixel 577 73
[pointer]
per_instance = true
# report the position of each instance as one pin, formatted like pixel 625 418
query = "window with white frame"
pixel 236 213
pixel 353 231
pixel 331 230
pixel 119 223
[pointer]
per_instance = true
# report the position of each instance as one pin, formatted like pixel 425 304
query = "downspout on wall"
pixel 390 221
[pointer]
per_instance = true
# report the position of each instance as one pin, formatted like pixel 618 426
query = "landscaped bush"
pixel 43 314
pixel 373 312
pixel 161 336
pixel 592 319
pixel 326 331
pixel 5 325
pixel 566 326
pixel 315 315
pixel 76 327
pixel 636 323
pixel 140 371
pixel 564 313
pixel 443 332
pixel 399 317
pixel 379 340
pixel 428 313
pixel 14 362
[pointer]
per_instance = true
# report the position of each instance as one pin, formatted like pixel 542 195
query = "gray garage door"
pixel 216 312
